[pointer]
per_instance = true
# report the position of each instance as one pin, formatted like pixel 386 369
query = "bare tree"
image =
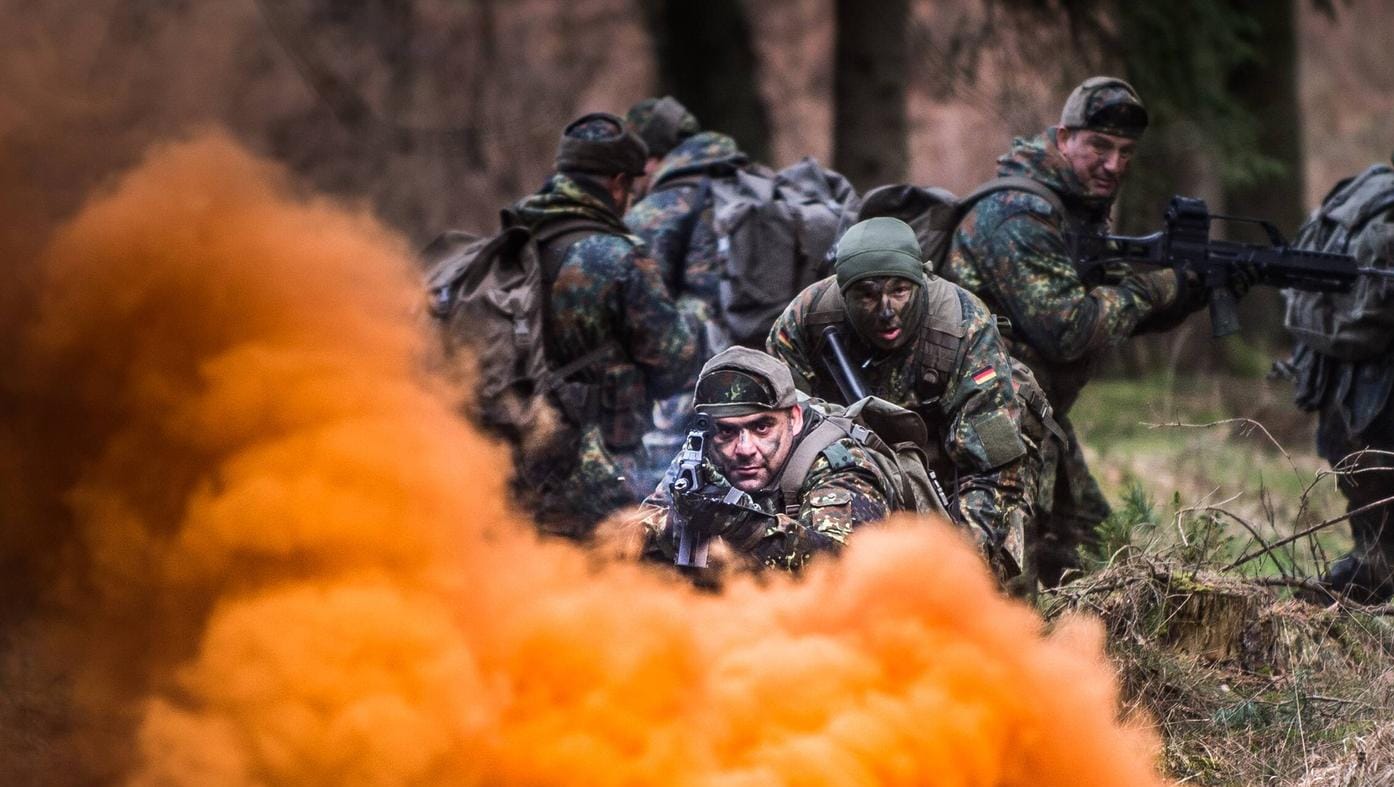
pixel 870 73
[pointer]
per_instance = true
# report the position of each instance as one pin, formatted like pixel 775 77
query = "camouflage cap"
pixel 882 246
pixel 742 381
pixel 662 123
pixel 600 143
pixel 1107 105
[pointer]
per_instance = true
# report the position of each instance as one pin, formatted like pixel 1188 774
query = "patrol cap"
pixel 882 246
pixel 742 381
pixel 600 143
pixel 1107 105
pixel 662 123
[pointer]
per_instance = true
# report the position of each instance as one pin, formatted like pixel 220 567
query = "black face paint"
pixel 882 320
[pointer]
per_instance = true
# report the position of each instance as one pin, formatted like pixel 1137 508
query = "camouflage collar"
pixel 698 154
pixel 1040 159
pixel 562 197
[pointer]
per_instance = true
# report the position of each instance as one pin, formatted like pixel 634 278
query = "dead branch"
pixel 1308 531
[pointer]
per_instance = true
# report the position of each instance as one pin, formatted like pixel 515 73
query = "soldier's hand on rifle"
pixel 723 511
pixel 1160 288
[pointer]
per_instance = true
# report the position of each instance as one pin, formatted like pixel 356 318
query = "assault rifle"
pixel 692 547
pixel 1186 244
pixel 853 387
pixel 840 368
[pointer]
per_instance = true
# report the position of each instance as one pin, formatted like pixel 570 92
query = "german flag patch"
pixel 985 375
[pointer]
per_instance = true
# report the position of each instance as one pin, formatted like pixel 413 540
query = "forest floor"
pixel 1247 684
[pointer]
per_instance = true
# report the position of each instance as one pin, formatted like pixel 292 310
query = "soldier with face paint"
pixel 931 347
pixel 1011 250
pixel 759 427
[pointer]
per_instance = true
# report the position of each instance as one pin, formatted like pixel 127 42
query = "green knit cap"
pixel 882 246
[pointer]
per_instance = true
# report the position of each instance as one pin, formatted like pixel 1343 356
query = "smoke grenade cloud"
pixel 271 553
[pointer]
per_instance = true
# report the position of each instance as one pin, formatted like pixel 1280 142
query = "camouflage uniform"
pixel 675 222
pixel 843 490
pixel 1010 250
pixel 675 219
pixel 606 291
pixel 972 410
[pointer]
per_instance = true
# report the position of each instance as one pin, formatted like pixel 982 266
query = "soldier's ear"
pixel 796 418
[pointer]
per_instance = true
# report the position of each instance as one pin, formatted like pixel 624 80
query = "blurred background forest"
pixel 438 112
pixel 433 114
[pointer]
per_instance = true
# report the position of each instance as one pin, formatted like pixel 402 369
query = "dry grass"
pixel 1246 686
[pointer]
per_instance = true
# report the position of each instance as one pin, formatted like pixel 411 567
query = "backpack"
pixel 1356 218
pixel 773 230
pixel 935 213
pixel 487 296
pixel 893 437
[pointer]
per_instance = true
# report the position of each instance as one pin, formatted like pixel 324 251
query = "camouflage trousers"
pixel 1365 573
pixel 1069 508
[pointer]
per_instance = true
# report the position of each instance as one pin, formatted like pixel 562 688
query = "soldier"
pixel 607 310
pixel 1345 372
pixel 675 220
pixel 803 483
pixel 663 123
pixel 1011 250
pixel 930 347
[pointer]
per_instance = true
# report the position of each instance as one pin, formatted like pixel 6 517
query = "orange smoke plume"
pixel 279 557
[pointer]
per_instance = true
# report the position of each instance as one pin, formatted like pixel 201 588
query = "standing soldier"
pixel 1345 372
pixel 779 481
pixel 931 347
pixel 675 220
pixel 1011 250
pixel 608 311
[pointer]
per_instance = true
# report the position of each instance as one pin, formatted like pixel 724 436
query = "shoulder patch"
pixel 999 437
pixel 832 496
pixel 839 456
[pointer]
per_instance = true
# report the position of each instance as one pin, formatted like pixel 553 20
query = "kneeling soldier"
pixel 931 347
pixel 777 481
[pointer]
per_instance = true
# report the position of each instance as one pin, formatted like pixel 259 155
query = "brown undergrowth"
pixel 1247 684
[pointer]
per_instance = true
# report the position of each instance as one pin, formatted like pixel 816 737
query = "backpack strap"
pixel 580 401
pixel 827 432
pixel 827 309
pixel 941 344
pixel 688 226
pixel 555 238
pixel 1013 183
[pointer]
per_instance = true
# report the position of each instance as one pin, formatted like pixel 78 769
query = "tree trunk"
pixel 706 59
pixel 1268 89
pixel 870 127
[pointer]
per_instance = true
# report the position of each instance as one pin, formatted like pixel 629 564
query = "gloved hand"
pixel 1173 291
pixel 1160 288
pixel 723 511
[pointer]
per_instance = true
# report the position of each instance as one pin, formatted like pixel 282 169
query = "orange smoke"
pixel 282 559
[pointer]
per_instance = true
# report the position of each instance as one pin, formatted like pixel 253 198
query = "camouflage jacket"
pixel 608 291
pixel 843 490
pixel 675 218
pixel 971 406
pixel 1010 250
